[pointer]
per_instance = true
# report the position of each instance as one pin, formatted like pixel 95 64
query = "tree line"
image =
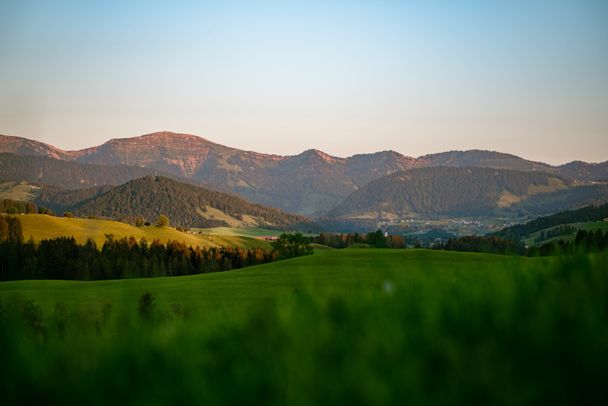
pixel 490 245
pixel 585 241
pixel 14 207
pixel 376 239
pixel 64 258
pixel 10 229
pixel 555 232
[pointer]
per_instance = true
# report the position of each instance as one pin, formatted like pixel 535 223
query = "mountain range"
pixel 310 183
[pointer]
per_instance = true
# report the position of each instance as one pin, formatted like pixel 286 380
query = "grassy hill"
pixel 40 226
pixel 19 191
pixel 340 326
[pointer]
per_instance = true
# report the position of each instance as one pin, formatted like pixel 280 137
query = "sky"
pixel 346 77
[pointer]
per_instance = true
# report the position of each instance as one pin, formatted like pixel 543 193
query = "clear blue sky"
pixel 526 77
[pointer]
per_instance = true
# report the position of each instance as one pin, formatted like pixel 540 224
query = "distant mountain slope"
pixel 185 205
pixel 312 182
pixel 485 159
pixel 66 174
pixel 24 146
pixel 585 171
pixel 454 192
pixel 548 203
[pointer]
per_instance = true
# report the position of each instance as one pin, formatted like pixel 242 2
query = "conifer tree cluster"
pixel 64 258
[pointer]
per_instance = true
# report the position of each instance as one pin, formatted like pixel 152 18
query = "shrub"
pixel 145 305
pixel 163 221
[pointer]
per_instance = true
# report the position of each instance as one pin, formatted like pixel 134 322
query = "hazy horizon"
pixel 528 78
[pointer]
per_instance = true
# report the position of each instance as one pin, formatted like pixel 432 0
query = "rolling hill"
pixel 455 191
pixel 40 227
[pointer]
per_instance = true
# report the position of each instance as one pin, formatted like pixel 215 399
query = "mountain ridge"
pixel 170 135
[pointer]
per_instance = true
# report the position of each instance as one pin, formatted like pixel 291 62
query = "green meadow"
pixel 352 326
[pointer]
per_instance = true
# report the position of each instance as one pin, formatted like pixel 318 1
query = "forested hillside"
pixel 448 191
pixel 185 205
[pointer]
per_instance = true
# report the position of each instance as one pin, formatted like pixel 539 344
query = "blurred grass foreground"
pixel 356 326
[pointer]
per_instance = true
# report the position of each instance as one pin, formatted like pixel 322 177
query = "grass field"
pixel 20 191
pixel 324 273
pixel 352 326
pixel 40 226
pixel 243 232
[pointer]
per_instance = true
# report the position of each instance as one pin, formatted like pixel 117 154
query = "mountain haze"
pixel 309 183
